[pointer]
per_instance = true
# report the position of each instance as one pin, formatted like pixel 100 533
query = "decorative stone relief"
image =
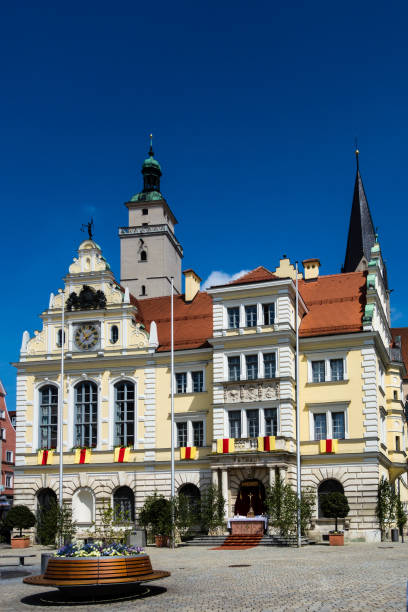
pixel 251 392
pixel 138 336
pixel 37 344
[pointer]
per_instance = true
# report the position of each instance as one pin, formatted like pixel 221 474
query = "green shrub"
pixel 20 517
pixel 156 514
pixel 335 505
pixel 212 509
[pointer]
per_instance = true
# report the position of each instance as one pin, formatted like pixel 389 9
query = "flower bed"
pixel 98 549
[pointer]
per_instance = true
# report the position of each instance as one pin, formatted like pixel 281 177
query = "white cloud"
pixel 222 278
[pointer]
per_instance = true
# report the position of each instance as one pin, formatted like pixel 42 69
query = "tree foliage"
pixel 386 505
pixel 335 505
pixel 20 517
pixel 400 516
pixel 282 506
pixel 55 524
pixel 156 514
pixel 212 509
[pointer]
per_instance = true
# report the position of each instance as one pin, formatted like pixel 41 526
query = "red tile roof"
pixel 335 302
pixel 192 320
pixel 403 333
pixel 335 306
pixel 257 275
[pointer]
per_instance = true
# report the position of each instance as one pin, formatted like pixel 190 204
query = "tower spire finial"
pixel 357 152
pixel 151 152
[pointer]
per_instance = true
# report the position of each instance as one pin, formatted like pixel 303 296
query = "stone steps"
pixel 266 540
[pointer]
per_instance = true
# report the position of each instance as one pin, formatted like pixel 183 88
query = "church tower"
pixel 361 235
pixel 149 251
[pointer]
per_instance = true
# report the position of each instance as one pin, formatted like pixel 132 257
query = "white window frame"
pixel 189 371
pixel 2 414
pixel 242 355
pixel 9 459
pixel 383 426
pixel 3 434
pixel 328 409
pixel 273 299
pixel 10 485
pixel 189 419
pixel 244 420
pixel 326 357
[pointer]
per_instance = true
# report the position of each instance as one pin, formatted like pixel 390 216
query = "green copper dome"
pixel 151 162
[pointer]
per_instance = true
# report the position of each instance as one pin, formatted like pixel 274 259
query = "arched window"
pixel 114 334
pixel 59 337
pixel 46 498
pixel 327 486
pixel 48 416
pixel 124 413
pixel 124 504
pixel 143 290
pixel 193 497
pixel 83 507
pixel 143 256
pixel 86 413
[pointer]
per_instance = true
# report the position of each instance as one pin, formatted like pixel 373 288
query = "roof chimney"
pixel 311 268
pixel 192 284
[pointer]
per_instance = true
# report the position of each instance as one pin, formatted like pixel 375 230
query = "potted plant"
pixel 20 517
pixel 156 515
pixel 335 505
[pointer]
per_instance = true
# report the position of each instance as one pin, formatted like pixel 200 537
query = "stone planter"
pixel 336 539
pixel 20 542
pixel 161 541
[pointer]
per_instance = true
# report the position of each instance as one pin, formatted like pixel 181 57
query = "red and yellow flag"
pixel 122 454
pixel 266 443
pixel 82 455
pixel 44 457
pixel 225 445
pixel 328 446
pixel 188 452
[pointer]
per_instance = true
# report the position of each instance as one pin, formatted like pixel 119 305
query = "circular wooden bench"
pixel 72 572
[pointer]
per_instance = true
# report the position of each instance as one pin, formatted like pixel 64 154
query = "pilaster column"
pixel 214 477
pixel 282 474
pixel 224 488
pixel 272 476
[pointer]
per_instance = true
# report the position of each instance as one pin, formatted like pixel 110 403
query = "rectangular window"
pixel 397 443
pixel 336 369
pixel 124 413
pixel 250 316
pixel 9 481
pixel 9 456
pixel 268 313
pixel 269 365
pixel 338 426
pixel 233 317
pixel 198 433
pixel 253 423
pixel 234 418
pixel 181 382
pixel 2 414
pixel 318 371
pixel 234 368
pixel 3 434
pixel 320 426
pixel 181 434
pixel 252 366
pixel 198 381
pixel 48 417
pixel 271 422
pixel 86 414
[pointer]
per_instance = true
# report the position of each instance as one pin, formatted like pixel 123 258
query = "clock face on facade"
pixel 86 336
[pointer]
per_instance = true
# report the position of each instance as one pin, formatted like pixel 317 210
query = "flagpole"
pixel 172 414
pixel 298 474
pixel 61 407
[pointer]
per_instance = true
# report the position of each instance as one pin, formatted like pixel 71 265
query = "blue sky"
pixel 254 109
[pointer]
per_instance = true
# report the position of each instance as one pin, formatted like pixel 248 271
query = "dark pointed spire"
pixel 151 172
pixel 361 235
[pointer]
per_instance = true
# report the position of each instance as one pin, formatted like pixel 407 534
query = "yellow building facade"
pixel 235 382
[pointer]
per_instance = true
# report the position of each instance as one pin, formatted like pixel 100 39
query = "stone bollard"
pixel 45 557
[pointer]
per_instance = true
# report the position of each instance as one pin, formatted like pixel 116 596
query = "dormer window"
pixel 114 334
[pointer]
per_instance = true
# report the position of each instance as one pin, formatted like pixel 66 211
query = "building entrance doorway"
pixel 250 491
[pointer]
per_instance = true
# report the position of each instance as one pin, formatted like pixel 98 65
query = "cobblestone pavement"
pixel 320 578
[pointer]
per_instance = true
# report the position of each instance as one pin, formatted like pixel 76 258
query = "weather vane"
pixel 88 227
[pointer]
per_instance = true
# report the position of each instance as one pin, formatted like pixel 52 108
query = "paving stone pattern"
pixel 358 576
